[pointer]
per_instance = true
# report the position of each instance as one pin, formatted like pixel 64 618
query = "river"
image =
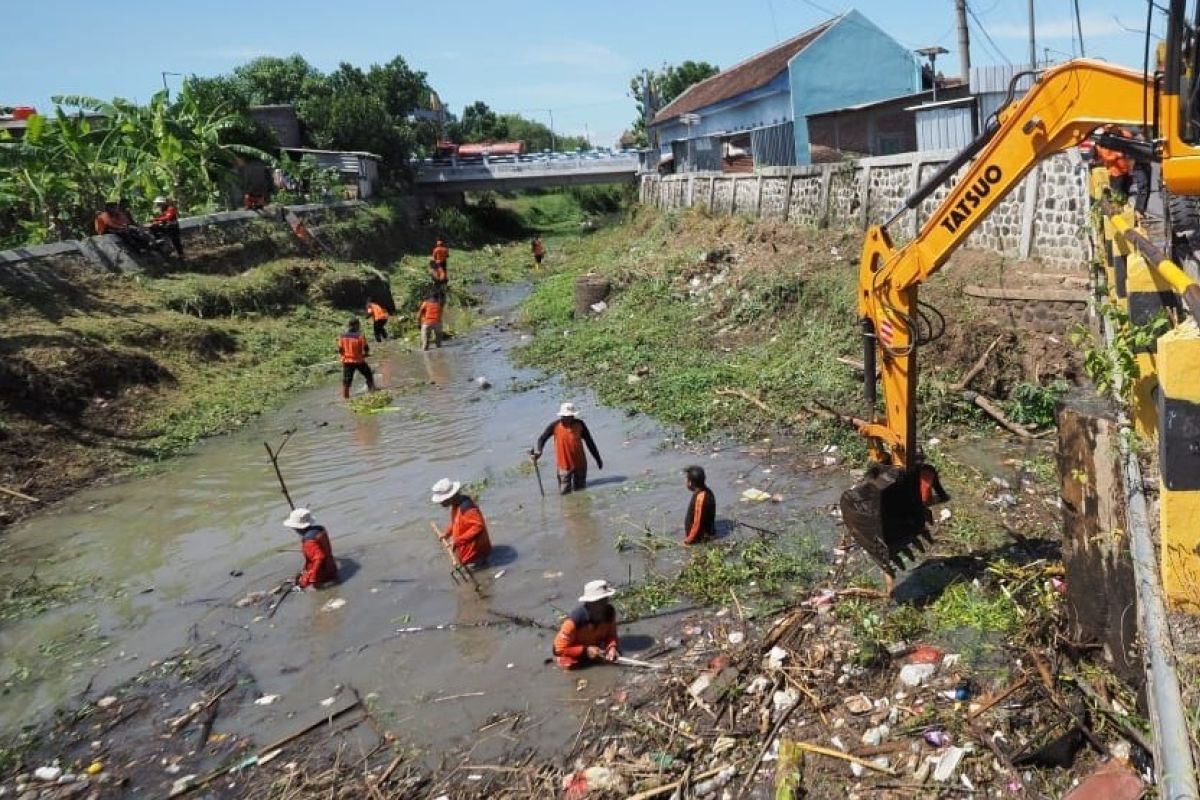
pixel 173 551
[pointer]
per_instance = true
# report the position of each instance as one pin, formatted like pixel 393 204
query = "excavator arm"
pixel 887 513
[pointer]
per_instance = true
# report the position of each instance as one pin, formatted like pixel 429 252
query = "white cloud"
pixel 1095 26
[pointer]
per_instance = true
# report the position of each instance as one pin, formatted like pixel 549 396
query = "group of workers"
pixel 588 634
pixel 117 218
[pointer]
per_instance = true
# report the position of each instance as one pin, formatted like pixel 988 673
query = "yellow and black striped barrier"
pixel 1165 401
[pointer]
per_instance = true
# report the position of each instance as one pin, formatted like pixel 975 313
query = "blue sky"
pixel 531 57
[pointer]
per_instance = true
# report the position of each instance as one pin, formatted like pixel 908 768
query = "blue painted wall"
pixel 853 62
pixel 767 105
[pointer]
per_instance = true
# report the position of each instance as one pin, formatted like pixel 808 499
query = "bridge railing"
pixel 507 167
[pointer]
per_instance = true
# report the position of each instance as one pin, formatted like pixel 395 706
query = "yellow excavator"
pixel 888 512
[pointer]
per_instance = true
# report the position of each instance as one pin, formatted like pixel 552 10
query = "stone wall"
pixel 1043 218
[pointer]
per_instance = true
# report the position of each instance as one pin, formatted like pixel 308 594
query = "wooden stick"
pixel 766 745
pixel 1000 698
pixel 670 787
pixel 182 721
pixel 21 495
pixel 284 590
pixel 274 456
pixel 1131 733
pixel 978 367
pixel 995 413
pixel 831 753
pixel 633 662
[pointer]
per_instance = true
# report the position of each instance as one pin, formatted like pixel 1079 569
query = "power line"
pixel 979 26
pixel 774 22
pixel 1079 25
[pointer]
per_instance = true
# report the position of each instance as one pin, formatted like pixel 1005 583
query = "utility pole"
pixel 553 148
pixel 1032 41
pixel 964 39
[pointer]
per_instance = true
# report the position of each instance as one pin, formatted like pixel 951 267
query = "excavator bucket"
pixel 887 512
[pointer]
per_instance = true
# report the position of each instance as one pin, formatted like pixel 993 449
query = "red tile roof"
pixel 750 74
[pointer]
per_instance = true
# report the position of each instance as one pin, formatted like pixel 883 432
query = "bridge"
pixel 456 175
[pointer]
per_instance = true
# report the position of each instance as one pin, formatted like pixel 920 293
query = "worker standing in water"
pixel 570 435
pixel 353 349
pixel 379 319
pixel 700 522
pixel 320 567
pixel 467 531
pixel 589 633
pixel 539 250
pixel 429 316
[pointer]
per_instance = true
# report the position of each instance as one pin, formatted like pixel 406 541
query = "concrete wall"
pixel 853 62
pixel 226 240
pixel 1043 218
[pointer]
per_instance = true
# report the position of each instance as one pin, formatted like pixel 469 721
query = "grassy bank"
pixel 104 372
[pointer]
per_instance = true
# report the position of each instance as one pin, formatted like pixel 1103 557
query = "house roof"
pixel 750 74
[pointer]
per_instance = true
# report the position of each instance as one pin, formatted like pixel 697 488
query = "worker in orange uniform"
pixel 589 633
pixel 353 348
pixel 439 276
pixel 166 223
pixel 379 319
pixel 701 519
pixel 441 253
pixel 1118 164
pixel 320 567
pixel 539 250
pixel 429 315
pixel 467 532
pixel 570 435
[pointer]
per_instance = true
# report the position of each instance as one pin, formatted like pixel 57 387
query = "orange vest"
pixel 352 347
pixel 469 533
pixel 1118 163
pixel 377 312
pixel 441 253
pixel 430 312
pixel 568 445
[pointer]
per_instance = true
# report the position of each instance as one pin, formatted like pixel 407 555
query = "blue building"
pixel 754 114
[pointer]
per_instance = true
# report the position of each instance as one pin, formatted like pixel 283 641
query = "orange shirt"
pixel 105 223
pixel 353 348
pixel 539 249
pixel 430 312
pixel 377 312
pixel 441 253
pixel 578 632
pixel 468 532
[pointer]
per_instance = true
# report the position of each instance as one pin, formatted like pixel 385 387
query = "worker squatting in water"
pixel 320 567
pixel 570 434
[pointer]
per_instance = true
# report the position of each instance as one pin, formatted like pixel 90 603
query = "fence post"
pixel 758 212
pixel 787 194
pixel 823 199
pixel 1029 212
pixel 865 193
pixel 712 194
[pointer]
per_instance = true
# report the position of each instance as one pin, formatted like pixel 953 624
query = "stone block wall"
pixel 1043 218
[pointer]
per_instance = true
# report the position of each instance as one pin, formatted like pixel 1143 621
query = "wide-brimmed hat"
pixel 160 201
pixel 300 518
pixel 597 590
pixel 568 410
pixel 444 489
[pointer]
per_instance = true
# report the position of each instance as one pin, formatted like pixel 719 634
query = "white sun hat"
pixel 445 489
pixel 160 201
pixel 300 518
pixel 597 590
pixel 568 410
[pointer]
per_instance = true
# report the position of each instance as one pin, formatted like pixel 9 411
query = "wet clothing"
pixel 353 349
pixel 570 435
pixel 379 319
pixel 468 533
pixel 578 632
pixel 700 523
pixel 430 316
pixel 319 564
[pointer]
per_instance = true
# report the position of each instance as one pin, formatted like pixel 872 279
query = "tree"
pixel 653 90
pixel 269 80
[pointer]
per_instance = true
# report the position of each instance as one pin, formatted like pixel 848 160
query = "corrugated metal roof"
pixel 315 152
pixel 750 74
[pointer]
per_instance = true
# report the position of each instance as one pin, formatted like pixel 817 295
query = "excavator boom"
pixel 887 513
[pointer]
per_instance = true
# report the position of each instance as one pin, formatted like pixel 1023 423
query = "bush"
pixel 350 287
pixel 1032 404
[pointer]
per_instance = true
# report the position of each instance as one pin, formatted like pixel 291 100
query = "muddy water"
pixel 172 552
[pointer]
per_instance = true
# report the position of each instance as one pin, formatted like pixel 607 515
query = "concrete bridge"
pixel 455 175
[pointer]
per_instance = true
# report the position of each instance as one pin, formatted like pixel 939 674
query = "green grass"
pixel 965 606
